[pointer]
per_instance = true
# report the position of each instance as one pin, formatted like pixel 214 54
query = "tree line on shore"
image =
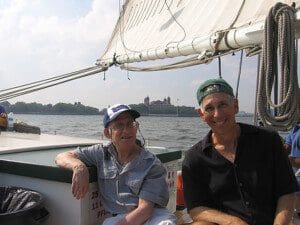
pixel 60 108
pixel 79 109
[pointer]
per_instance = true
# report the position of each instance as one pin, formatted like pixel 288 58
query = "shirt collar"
pixel 206 142
pixel 245 130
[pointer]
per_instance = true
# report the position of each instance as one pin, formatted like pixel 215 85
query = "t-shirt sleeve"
pixel 154 187
pixel 285 181
pixel 89 155
pixel 295 152
pixel 288 139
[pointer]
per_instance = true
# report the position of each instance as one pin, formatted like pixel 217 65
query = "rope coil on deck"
pixel 279 35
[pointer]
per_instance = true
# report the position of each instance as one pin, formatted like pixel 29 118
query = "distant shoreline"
pixel 151 115
pixel 160 110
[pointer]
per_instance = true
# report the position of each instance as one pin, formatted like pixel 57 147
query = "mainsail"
pixel 158 29
pixel 197 31
pixel 201 30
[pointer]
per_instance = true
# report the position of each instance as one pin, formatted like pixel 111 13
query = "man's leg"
pixel 113 220
pixel 161 217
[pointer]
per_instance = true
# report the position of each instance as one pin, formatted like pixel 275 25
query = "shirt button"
pixel 247 203
pixel 241 184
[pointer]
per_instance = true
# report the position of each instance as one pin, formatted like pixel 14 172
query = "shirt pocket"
pixel 259 177
pixel 134 184
pixel 107 180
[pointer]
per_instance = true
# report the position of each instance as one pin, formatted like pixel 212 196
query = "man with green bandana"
pixel 237 174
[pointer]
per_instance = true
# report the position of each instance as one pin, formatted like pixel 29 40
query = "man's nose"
pixel 217 112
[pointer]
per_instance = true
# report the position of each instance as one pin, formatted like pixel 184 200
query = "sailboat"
pixel 176 34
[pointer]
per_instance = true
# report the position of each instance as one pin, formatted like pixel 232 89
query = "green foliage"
pixel 60 108
pixel 78 109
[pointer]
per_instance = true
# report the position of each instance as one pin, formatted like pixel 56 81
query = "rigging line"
pixel 239 75
pixel 52 78
pixel 121 32
pixel 51 85
pixel 220 69
pixel 255 119
pixel 223 33
pixel 18 89
pixel 238 14
pixel 176 21
pixel 20 92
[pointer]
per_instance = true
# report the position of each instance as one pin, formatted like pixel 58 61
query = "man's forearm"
pixel 68 160
pixel 295 161
pixel 80 178
pixel 285 209
pixel 139 215
pixel 214 216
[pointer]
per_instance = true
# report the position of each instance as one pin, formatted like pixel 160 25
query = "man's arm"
pixel 205 214
pixel 80 180
pixel 139 215
pixel 287 148
pixel 295 161
pixel 285 209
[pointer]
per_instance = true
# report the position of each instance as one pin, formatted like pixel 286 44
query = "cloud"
pixel 28 35
pixel 44 38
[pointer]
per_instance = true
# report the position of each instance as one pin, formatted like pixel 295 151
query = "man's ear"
pixel 200 113
pixel 107 133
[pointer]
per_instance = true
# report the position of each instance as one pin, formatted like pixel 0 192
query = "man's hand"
pixel 80 181
pixel 235 221
pixel 139 215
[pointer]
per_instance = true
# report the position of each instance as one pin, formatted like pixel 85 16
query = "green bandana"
pixel 213 86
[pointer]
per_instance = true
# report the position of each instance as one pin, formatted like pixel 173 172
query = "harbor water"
pixel 178 133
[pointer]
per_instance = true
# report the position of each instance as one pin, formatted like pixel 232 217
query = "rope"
pixel 279 30
pixel 220 67
pixel 239 75
pixel 46 83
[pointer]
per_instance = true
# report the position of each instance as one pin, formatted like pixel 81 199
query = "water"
pixel 178 133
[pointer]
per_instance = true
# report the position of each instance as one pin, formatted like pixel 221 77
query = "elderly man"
pixel 127 173
pixel 239 173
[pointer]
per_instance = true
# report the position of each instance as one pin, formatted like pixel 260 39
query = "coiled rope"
pixel 279 35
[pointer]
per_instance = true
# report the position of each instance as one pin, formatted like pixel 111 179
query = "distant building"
pixel 166 102
pixel 169 100
pixel 147 101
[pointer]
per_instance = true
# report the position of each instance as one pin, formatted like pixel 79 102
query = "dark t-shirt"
pixel 248 188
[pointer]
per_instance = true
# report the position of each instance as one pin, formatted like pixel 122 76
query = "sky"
pixel 44 38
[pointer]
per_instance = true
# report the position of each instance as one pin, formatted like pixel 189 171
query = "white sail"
pixel 158 29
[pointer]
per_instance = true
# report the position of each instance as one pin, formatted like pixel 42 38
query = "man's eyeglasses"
pixel 122 126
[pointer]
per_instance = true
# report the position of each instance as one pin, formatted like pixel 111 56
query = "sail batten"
pixel 150 30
